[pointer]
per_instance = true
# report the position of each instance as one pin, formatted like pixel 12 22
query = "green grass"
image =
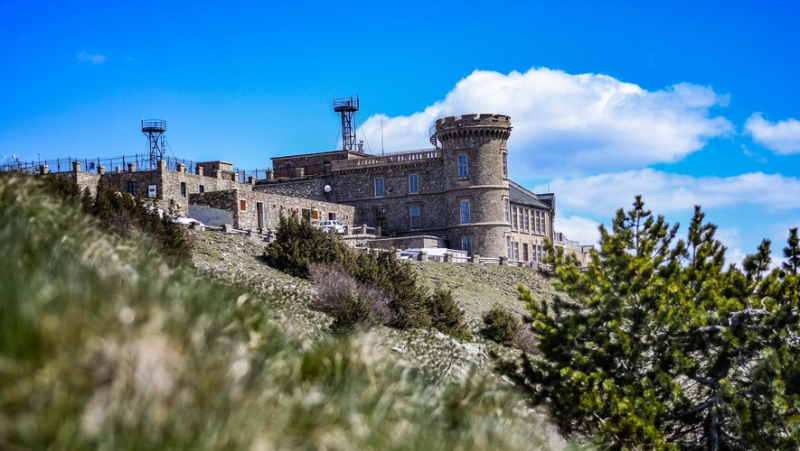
pixel 104 345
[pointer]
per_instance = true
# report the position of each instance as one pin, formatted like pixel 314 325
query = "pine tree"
pixel 658 345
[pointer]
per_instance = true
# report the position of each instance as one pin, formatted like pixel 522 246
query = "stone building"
pixel 458 192
pixel 212 194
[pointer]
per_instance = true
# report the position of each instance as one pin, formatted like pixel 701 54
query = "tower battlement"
pixel 473 120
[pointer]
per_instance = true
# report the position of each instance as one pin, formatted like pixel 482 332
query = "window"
pixel 463 166
pixel 183 189
pixel 508 246
pixel 525 223
pixel 505 164
pixel 538 228
pixel 413 216
pixel 539 252
pixel 505 201
pixel 379 189
pixel 133 187
pixel 515 247
pixel 413 183
pixel 465 212
pixel 466 244
pixel 331 216
pixel 525 251
pixel 242 205
pixel 544 223
pixel 514 218
pixel 202 189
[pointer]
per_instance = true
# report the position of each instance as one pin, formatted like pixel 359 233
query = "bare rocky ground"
pixel 237 260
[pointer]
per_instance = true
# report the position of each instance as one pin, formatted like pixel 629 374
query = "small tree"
pixel 446 314
pixel 298 244
pixel 501 326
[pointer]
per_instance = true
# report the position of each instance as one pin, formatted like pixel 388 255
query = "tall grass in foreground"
pixel 104 345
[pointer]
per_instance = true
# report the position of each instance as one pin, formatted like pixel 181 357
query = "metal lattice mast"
pixel 154 130
pixel 346 108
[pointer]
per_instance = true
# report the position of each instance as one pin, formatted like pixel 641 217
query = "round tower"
pixel 475 164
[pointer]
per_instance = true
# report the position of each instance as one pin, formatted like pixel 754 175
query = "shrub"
pixel 340 296
pixel 386 284
pixel 501 326
pixel 398 281
pixel 446 314
pixel 123 215
pixel 298 244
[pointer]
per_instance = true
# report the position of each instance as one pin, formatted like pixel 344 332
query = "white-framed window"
pixel 413 183
pixel 413 217
pixel 525 221
pixel 515 248
pixel 544 223
pixel 514 218
pixel 463 166
pixel 464 210
pixel 538 228
pixel 505 164
pixel 505 205
pixel 508 246
pixel 380 190
pixel 466 244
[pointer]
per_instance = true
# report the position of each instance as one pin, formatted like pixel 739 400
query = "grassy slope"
pixel 104 345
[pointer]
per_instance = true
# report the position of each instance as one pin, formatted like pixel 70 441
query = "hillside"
pixel 237 259
pixel 104 344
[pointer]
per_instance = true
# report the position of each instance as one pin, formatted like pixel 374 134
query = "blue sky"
pixel 684 102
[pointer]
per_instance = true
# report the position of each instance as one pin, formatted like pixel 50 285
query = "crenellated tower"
pixel 475 170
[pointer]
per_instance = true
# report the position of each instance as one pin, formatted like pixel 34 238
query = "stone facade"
pixel 458 192
pixel 246 209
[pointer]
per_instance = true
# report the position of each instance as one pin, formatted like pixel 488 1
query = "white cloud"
pixel 664 192
pixel 577 228
pixel 782 137
pixel 91 58
pixel 568 124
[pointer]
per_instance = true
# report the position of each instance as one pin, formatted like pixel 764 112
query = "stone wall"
pixel 244 208
pixel 168 185
pixel 308 188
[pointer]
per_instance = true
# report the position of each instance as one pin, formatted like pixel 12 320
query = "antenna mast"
pixel 154 130
pixel 346 108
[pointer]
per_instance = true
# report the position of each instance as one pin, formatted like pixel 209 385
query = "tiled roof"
pixel 520 195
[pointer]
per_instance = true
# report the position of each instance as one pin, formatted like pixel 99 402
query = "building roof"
pixel 520 195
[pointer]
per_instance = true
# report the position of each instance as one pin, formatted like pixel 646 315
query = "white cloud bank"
pixel 566 125
pixel 782 137
pixel 663 192
pixel 91 58
pixel 577 228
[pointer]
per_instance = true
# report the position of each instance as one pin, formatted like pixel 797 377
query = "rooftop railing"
pixel 400 157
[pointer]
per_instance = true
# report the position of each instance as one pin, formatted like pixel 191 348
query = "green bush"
pixel 298 244
pixel 446 315
pixel 123 215
pixel 501 326
pixel 398 280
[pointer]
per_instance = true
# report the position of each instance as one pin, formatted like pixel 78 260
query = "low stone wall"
pixel 409 242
